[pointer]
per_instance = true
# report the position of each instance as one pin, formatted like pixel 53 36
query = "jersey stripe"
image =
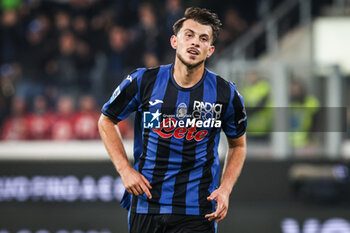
pixel 163 151
pixel 175 159
pixel 149 157
pixel 211 170
pixel 223 94
pixel 239 114
pixel 205 207
pixel 146 88
pixel 188 161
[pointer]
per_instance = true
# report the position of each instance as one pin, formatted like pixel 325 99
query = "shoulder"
pixel 156 68
pixel 139 72
pixel 227 88
pixel 149 75
pixel 221 82
pixel 147 80
pixel 142 76
pixel 152 72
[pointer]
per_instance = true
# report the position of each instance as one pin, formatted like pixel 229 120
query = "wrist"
pixel 225 188
pixel 123 169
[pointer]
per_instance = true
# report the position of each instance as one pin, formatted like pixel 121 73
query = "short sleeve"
pixel 125 99
pixel 235 119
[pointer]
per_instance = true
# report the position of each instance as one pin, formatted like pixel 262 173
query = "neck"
pixel 186 76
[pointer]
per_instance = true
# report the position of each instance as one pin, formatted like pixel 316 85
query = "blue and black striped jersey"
pixel 177 133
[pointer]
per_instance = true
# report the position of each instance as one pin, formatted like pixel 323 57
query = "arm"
pixel 232 169
pixel 134 182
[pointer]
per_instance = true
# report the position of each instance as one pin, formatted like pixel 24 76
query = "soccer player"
pixel 180 111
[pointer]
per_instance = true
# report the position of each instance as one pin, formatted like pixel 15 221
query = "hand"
pixel 222 197
pixel 135 183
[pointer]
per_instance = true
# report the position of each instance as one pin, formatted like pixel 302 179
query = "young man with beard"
pixel 180 111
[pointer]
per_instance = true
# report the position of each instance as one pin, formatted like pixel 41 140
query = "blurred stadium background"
pixel 60 60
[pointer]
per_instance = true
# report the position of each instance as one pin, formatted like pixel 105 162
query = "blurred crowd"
pixel 67 122
pixel 55 55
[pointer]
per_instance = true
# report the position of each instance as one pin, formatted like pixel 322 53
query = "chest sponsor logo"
pixel 171 127
pixel 206 110
pixel 184 124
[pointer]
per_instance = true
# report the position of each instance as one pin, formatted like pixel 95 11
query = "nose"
pixel 195 41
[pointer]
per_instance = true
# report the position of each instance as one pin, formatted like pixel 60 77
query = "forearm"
pixel 233 163
pixel 134 182
pixel 232 168
pixel 113 143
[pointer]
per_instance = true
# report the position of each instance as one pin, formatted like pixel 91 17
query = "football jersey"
pixel 177 132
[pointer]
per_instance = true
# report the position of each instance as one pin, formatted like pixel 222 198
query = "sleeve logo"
pixel 115 94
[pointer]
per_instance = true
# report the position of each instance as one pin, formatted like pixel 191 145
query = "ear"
pixel 173 42
pixel 211 50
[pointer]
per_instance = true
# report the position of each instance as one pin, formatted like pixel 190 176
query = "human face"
pixel 193 43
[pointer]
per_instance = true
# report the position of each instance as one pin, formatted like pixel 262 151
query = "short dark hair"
pixel 202 16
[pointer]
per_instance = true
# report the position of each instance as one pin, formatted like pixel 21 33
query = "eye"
pixel 188 35
pixel 204 39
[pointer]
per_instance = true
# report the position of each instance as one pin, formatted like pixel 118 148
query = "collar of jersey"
pixel 171 71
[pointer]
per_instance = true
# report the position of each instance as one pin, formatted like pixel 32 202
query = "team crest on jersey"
pixel 151 119
pixel 181 111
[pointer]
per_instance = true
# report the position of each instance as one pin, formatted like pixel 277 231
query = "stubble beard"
pixel 189 66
